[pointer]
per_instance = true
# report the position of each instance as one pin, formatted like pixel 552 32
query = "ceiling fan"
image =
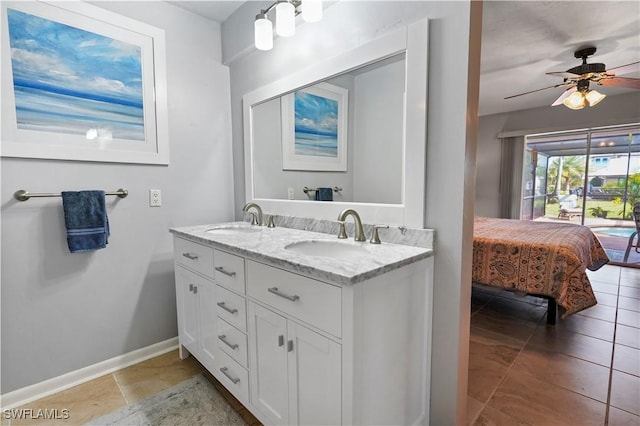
pixel 578 78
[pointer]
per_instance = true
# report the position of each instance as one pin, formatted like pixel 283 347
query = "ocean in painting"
pixel 316 144
pixel 71 81
pixel 44 110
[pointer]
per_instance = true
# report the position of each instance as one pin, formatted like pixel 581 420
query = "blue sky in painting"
pixel 316 114
pixel 65 59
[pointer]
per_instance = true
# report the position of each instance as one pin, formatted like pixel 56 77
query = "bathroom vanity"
pixel 304 328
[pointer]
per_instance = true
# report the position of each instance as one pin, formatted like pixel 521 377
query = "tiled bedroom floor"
pixel 584 370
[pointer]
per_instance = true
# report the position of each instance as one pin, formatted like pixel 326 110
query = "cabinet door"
pixel 187 309
pixel 315 378
pixel 205 292
pixel 268 355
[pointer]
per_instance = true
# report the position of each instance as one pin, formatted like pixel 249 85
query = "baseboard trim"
pixel 48 387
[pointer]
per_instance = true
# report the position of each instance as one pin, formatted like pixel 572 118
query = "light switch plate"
pixel 155 198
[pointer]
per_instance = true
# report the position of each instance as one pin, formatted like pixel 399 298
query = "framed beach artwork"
pixel 82 83
pixel 314 128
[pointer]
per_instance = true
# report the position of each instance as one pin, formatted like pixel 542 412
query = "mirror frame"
pixel 413 41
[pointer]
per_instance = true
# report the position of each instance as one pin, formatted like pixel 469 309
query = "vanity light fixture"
pixel 285 15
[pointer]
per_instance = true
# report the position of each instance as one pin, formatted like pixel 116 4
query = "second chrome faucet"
pixel 342 217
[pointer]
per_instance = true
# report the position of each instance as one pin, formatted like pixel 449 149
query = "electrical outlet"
pixel 290 193
pixel 155 198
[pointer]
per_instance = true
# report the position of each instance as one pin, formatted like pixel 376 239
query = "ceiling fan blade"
pixel 566 83
pixel 564 95
pixel 564 74
pixel 632 83
pixel 625 69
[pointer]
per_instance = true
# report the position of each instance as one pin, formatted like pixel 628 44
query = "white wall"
pixel 451 122
pixel 621 109
pixel 379 123
pixel 61 311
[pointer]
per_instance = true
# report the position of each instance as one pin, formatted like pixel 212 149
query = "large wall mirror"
pixel 349 131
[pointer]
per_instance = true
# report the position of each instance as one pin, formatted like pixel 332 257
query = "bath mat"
pixel 194 402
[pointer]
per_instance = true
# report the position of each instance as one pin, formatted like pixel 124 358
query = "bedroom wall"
pixel 61 311
pixel 621 109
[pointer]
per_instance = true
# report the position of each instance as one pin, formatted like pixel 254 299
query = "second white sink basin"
pixel 233 229
pixel 328 248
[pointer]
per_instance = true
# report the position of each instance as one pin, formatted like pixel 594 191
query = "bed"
pixel 539 258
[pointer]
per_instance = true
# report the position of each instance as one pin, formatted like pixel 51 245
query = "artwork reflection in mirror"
pixel 314 125
pixel 371 124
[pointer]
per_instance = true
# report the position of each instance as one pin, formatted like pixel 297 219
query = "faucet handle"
pixel 375 238
pixel 254 220
pixel 342 232
pixel 270 222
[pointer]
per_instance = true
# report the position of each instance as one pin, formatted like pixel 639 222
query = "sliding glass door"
pixel 590 178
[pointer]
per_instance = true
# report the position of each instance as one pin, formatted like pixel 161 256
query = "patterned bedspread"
pixel 547 259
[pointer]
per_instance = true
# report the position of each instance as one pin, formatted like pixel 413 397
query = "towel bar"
pixel 23 195
pixel 307 190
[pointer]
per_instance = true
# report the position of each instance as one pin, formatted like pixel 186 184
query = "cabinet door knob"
pixel 195 289
pixel 280 340
pixel 275 291
pixel 290 346
pixel 227 273
pixel 235 380
pixel 191 287
pixel 190 256
pixel 223 306
pixel 223 337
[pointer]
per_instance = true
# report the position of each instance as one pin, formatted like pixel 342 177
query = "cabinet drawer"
pixel 194 256
pixel 229 270
pixel 231 308
pixel 232 342
pixel 234 377
pixel 314 302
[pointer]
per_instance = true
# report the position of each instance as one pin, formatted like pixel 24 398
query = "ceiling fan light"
pixel 311 10
pixel 285 19
pixel 575 101
pixel 263 32
pixel 593 97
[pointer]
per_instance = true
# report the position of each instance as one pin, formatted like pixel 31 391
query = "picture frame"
pixel 97 94
pixel 314 128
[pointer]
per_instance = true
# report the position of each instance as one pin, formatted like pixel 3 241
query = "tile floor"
pixel 110 392
pixel 584 370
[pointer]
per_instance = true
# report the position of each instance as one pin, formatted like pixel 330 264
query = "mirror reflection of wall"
pixel 375 141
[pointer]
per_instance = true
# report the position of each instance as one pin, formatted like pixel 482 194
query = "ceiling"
pixel 523 40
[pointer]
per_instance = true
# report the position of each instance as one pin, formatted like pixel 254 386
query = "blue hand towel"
pixel 85 217
pixel 324 194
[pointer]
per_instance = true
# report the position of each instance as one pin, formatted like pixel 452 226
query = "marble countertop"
pixel 268 245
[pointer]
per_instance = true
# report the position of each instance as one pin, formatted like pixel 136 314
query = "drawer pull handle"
pixel 223 306
pixel 280 340
pixel 190 256
pixel 235 380
pixel 275 291
pixel 227 273
pixel 223 337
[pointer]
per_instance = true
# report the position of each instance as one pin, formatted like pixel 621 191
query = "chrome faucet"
pixel 342 217
pixel 256 218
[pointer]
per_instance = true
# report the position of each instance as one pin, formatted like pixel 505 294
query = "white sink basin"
pixel 328 248
pixel 233 229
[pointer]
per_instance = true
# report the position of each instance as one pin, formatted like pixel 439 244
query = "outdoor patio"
pixel 615 246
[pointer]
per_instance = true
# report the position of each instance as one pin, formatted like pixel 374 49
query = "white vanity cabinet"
pixel 298 347
pixel 296 375
pixel 195 296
